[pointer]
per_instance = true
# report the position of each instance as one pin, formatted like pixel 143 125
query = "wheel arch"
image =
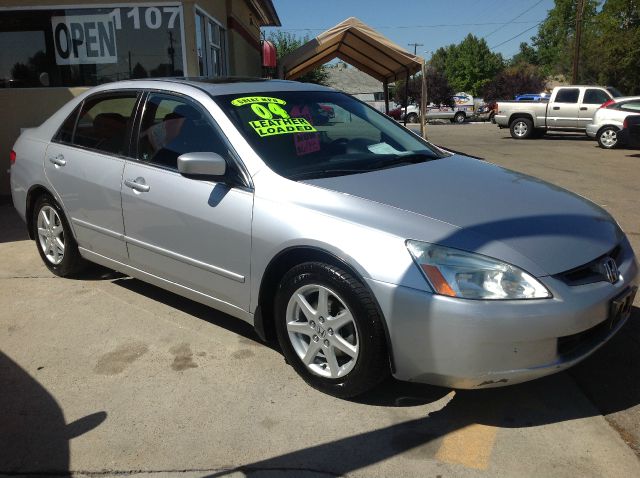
pixel 605 126
pixel 33 194
pixel 516 116
pixel 279 265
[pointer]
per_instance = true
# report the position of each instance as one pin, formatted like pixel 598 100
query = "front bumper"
pixel 473 343
pixel 592 130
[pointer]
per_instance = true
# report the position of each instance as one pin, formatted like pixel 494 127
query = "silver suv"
pixel 361 247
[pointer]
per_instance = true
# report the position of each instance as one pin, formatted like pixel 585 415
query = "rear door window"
pixel 567 95
pixel 105 122
pixel 595 97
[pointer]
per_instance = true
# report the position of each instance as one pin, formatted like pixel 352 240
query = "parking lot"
pixel 106 375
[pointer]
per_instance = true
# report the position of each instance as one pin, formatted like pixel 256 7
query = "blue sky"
pixel 434 23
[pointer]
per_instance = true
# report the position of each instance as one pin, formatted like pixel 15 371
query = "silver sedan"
pixel 362 248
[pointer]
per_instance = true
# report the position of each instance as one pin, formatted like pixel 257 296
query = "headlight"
pixel 466 275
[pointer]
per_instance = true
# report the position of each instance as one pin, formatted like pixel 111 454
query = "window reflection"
pixel 89 46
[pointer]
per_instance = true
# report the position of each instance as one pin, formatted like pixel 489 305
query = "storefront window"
pixel 89 46
pixel 210 42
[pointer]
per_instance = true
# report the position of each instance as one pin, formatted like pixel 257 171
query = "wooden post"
pixel 423 102
pixel 385 87
pixel 406 97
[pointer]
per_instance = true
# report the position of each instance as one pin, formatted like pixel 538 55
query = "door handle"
pixel 556 107
pixel 58 160
pixel 583 108
pixel 137 184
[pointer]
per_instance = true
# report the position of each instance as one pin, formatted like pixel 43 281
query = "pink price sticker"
pixel 306 143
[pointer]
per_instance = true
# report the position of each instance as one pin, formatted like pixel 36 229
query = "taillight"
pixel 12 157
pixel 606 104
pixel 625 124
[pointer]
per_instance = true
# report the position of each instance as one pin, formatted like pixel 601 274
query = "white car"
pixel 607 121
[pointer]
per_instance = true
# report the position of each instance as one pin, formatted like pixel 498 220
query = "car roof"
pixel 220 86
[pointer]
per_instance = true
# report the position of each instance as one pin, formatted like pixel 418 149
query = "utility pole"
pixel 415 47
pixel 576 43
pixel 406 85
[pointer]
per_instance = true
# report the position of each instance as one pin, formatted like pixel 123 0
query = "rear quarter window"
pixel 65 133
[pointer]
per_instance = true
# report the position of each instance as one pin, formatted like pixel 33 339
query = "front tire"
pixel 459 118
pixel 54 239
pixel 521 128
pixel 608 137
pixel 330 330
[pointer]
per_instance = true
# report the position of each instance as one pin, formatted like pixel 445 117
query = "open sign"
pixel 84 39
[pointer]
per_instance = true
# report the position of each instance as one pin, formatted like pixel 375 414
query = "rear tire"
pixel 459 117
pixel 330 330
pixel 55 242
pixel 521 128
pixel 608 137
pixel 412 118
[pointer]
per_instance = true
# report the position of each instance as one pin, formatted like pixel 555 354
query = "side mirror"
pixel 202 164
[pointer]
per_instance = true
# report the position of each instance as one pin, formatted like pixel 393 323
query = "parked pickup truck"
pixel 570 108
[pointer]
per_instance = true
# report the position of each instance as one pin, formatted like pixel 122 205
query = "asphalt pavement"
pixel 105 375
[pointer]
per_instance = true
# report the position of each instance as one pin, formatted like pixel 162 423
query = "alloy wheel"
pixel 322 331
pixel 51 235
pixel 520 128
pixel 609 138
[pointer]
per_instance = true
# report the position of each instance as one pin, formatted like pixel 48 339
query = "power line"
pixel 515 36
pixel 515 18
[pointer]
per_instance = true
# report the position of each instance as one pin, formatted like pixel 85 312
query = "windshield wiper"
pixel 324 173
pixel 413 158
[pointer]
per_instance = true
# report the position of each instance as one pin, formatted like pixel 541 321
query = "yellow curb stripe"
pixel 470 446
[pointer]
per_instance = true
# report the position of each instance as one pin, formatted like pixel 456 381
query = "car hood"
pixel 491 209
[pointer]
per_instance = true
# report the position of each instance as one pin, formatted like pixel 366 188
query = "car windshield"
pixel 314 134
pixel 614 92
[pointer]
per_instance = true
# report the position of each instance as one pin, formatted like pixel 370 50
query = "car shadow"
pixel 549 400
pixel 12 227
pixel 34 438
pixel 601 389
pixel 541 402
pixel 191 307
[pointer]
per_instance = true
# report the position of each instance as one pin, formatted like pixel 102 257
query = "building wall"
pixel 31 106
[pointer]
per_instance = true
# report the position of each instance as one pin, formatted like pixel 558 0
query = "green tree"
pixel 285 43
pixel 555 39
pixel 527 55
pixel 617 46
pixel 468 65
pixel 517 79
pixel 439 91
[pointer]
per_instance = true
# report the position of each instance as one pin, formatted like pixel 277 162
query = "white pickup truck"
pixel 570 108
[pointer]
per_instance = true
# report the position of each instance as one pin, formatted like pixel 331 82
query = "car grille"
pixel 590 272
